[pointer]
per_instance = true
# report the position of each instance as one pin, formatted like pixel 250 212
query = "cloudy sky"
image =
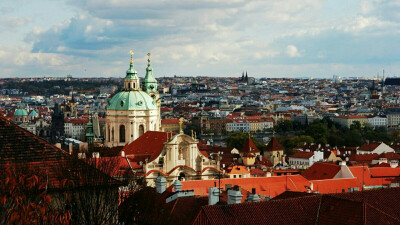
pixel 268 38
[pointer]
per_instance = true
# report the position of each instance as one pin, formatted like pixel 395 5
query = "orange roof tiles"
pixel 268 186
pixel 335 185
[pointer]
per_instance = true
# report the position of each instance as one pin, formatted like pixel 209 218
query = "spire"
pixel 131 81
pixel 149 83
pixel 131 72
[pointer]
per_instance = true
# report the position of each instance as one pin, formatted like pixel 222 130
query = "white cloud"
pixel 292 51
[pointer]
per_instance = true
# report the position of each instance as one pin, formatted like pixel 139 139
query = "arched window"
pixel 122 133
pixel 108 133
pixel 129 86
pixel 134 85
pixel 112 134
pixel 141 130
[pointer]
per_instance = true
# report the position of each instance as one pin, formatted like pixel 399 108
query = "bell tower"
pixel 131 81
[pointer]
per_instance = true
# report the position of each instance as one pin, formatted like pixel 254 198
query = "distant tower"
pixel 89 133
pixel 57 124
pixel 246 79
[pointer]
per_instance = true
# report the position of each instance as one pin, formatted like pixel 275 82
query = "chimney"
pixel 235 195
pixel 161 183
pixel 253 197
pixel 213 195
pixel 394 164
pixel 342 163
pixel 177 185
pixel 122 153
pixel 96 155
pixel 70 148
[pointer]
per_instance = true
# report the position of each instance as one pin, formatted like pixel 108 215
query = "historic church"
pixel 134 110
pixel 133 121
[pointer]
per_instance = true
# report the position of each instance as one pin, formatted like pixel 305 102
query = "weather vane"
pixel 148 54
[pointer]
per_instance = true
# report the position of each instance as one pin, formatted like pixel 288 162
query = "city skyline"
pixel 200 38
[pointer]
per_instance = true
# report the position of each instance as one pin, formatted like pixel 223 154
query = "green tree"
pixel 238 139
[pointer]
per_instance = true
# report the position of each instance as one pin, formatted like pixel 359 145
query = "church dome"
pixel 132 100
pixel 21 112
pixel 33 113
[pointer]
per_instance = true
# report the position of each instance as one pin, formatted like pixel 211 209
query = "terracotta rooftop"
pixel 302 155
pixel 273 145
pixel 150 144
pixel 321 171
pixel 249 147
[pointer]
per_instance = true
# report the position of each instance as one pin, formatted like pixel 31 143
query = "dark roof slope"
pixel 249 147
pixel 273 145
pixel 321 171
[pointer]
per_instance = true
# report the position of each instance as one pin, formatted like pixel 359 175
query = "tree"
pixel 91 189
pixel 238 139
pixel 24 197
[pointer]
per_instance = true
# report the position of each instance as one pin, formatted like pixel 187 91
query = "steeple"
pixel 149 83
pixel 131 81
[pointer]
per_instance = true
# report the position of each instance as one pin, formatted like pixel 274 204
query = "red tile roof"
pixel 335 185
pixel 369 146
pixel 366 178
pixel 19 147
pixel 249 147
pixel 170 121
pixel 273 145
pixel 268 186
pixel 149 144
pixel 321 171
pixel 302 155
pixel 287 211
pixel 384 172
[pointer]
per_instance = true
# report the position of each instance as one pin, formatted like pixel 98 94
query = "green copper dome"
pixel 132 100
pixel 33 113
pixel 21 112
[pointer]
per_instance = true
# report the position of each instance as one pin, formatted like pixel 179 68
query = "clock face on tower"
pixel 151 86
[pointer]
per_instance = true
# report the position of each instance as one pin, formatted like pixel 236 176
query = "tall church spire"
pixel 149 83
pixel 131 81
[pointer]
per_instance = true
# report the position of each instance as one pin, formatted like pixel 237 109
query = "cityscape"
pixel 228 127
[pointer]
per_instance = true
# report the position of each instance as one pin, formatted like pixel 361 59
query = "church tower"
pixel 133 111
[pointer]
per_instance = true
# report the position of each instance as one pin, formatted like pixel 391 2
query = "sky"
pixel 266 38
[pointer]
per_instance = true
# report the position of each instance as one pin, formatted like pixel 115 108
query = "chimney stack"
pixel 234 195
pixel 213 195
pixel 177 185
pixel 122 153
pixel 253 197
pixel 161 183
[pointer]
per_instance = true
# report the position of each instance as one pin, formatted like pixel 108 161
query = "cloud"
pixel 196 37
pixel 12 23
pixel 292 51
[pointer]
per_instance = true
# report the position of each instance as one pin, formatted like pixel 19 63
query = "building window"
pixel 122 133
pixel 141 130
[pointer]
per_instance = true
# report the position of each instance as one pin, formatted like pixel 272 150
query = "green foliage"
pixel 325 131
pixel 56 86
pixel 238 139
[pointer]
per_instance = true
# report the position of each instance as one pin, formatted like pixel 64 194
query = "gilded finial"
pixel 148 54
pixel 180 125
pixel 131 52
